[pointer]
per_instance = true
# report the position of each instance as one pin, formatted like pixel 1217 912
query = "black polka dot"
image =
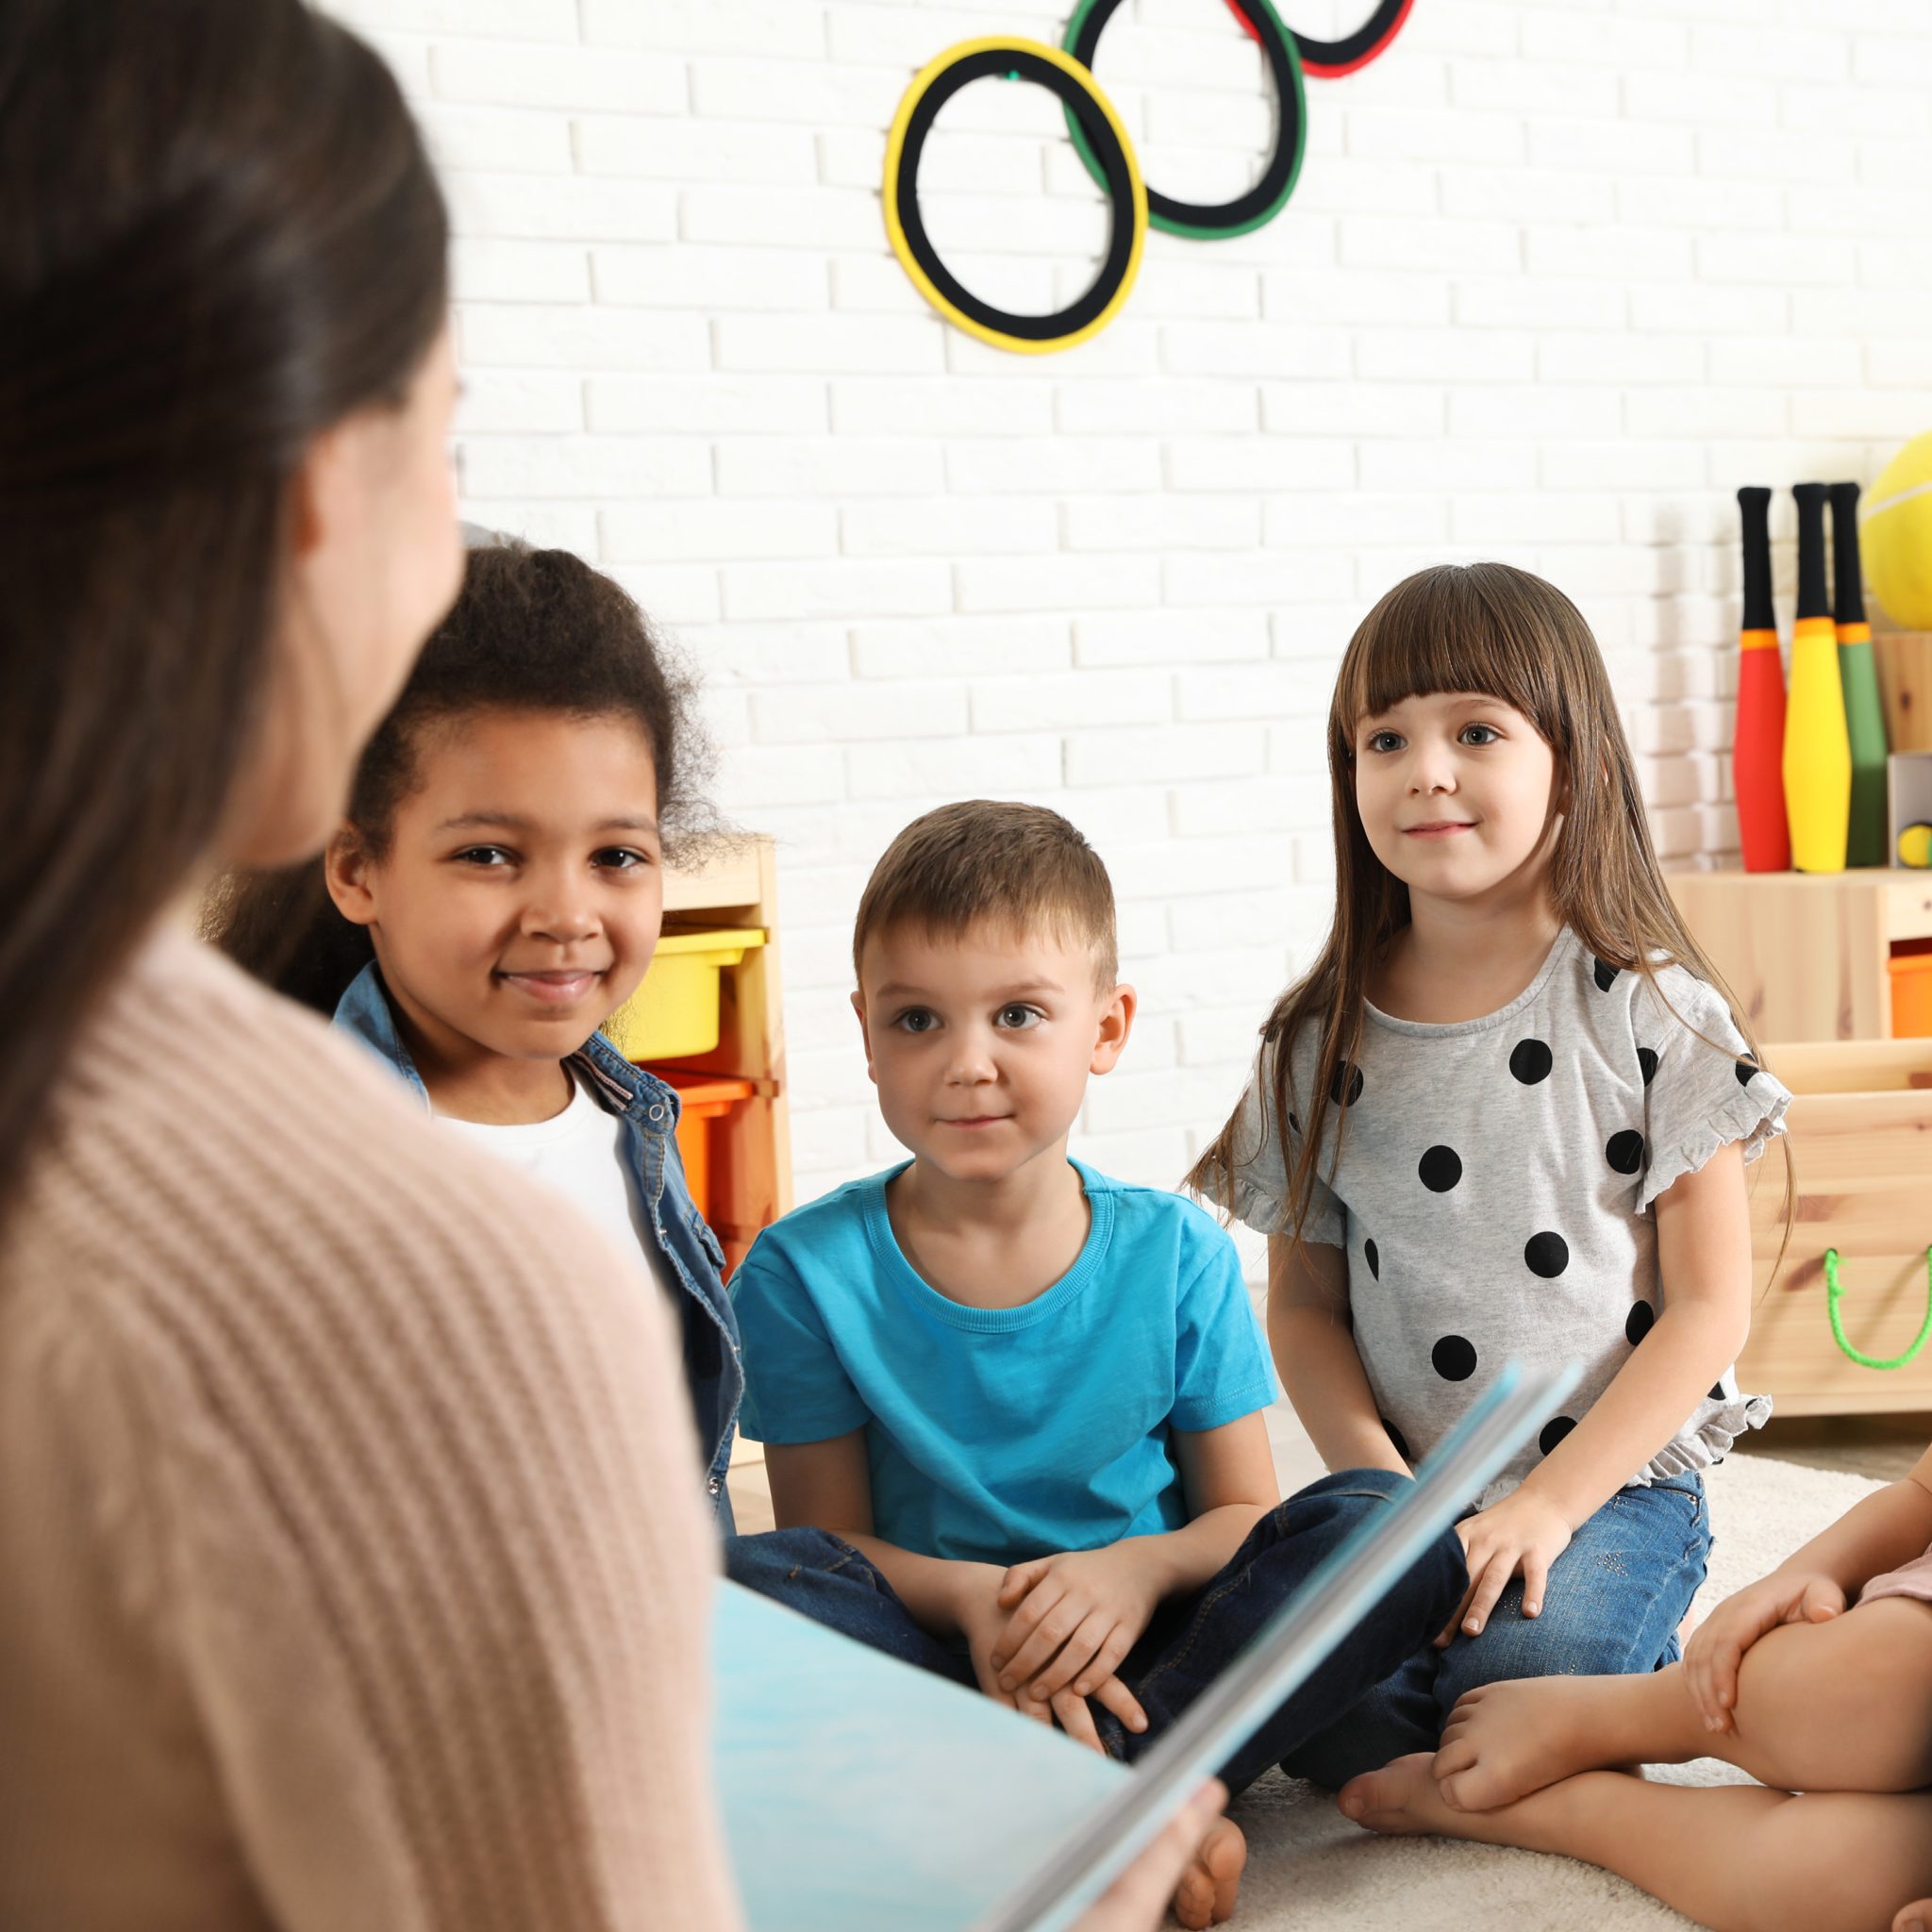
pixel 1624 1151
pixel 1395 1437
pixel 1453 1358
pixel 1553 1431
pixel 1547 1254
pixel 1294 1125
pixel 1745 1069
pixel 1440 1167
pixel 1373 1257
pixel 1345 1088
pixel 1606 975
pixel 1531 1062
pixel 1646 1059
pixel 1717 1392
pixel 1639 1322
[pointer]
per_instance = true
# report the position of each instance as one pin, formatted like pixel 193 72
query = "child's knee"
pixel 1366 1485
pixel 1551 1646
pixel 1346 1497
pixel 1872 1668
pixel 773 1558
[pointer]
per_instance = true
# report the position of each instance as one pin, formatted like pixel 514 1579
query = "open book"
pixel 863 1795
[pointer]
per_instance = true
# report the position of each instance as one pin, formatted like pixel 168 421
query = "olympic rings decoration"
pixel 1018 59
pixel 1332 59
pixel 1101 141
pixel 1266 199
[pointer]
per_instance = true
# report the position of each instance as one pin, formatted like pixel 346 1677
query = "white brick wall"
pixel 1558 275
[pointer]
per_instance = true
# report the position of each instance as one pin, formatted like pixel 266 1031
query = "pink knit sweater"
pixel 352 1569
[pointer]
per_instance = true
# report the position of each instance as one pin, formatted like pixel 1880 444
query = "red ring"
pixel 1313 61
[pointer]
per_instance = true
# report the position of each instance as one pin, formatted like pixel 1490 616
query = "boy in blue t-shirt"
pixel 1013 1409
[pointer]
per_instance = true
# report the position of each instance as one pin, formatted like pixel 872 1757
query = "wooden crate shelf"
pixel 734 884
pixel 1805 952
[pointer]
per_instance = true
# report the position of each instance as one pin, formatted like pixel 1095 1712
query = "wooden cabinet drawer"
pixel 1859 1135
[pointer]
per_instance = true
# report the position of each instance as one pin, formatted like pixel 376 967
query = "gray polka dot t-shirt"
pixel 1494 1184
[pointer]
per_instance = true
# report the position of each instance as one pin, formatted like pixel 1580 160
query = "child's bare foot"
pixel 1506 1740
pixel 1403 1800
pixel 1208 1886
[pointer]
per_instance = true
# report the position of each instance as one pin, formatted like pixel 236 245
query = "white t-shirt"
pixel 579 1154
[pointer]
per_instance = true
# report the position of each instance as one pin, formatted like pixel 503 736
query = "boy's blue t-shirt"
pixel 995 1435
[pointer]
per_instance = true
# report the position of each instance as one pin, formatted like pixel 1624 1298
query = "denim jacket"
pixel 713 1366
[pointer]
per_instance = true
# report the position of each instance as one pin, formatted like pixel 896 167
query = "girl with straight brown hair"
pixel 353 1567
pixel 1506 1113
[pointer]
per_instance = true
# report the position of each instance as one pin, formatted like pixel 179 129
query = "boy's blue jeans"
pixel 1615 1599
pixel 1191 1638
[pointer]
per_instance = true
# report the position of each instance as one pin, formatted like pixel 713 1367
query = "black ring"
pixel 1262 202
pixel 1016 63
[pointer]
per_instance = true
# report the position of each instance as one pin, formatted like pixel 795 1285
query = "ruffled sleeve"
pixel 1702 1089
pixel 1263 1162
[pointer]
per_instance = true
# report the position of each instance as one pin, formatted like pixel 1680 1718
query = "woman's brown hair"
pixel 1466 627
pixel 219 235
pixel 531 630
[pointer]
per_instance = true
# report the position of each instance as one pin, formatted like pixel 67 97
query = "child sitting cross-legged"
pixel 1013 1409
pixel 1830 1709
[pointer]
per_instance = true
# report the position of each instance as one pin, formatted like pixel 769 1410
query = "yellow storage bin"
pixel 674 1012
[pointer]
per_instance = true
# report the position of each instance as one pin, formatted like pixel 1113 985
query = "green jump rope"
pixel 1832 1294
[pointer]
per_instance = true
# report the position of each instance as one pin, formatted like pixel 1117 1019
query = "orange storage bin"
pixel 1911 994
pixel 705 1102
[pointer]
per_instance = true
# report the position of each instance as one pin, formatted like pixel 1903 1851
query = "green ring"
pixel 1284 57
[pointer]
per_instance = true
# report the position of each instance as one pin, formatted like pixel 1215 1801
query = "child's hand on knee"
pixel 1072 1620
pixel 1522 1533
pixel 1717 1647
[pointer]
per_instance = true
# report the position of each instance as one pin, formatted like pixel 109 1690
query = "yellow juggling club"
pixel 1818 747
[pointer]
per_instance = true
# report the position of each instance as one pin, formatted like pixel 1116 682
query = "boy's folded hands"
pixel 1718 1645
pixel 983 1619
pixel 1065 1624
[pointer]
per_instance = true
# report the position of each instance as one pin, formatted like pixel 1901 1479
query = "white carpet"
pixel 1309 1870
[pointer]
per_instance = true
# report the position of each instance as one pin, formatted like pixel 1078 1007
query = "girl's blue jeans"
pixel 1191 1638
pixel 1615 1599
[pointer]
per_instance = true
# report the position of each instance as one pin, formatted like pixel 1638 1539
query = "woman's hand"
pixel 1718 1645
pixel 1522 1532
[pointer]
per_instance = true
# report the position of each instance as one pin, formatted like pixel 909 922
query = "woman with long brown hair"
pixel 352 1570
pixel 1506 1113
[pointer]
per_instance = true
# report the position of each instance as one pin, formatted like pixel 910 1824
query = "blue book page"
pixel 862 1795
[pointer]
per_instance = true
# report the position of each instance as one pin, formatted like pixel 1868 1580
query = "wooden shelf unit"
pixel 1805 952
pixel 1858 1144
pixel 734 884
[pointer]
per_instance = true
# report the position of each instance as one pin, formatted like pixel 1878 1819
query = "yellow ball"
pixel 1915 845
pixel 1896 531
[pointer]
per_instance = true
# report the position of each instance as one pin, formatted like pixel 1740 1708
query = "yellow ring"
pixel 895 233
